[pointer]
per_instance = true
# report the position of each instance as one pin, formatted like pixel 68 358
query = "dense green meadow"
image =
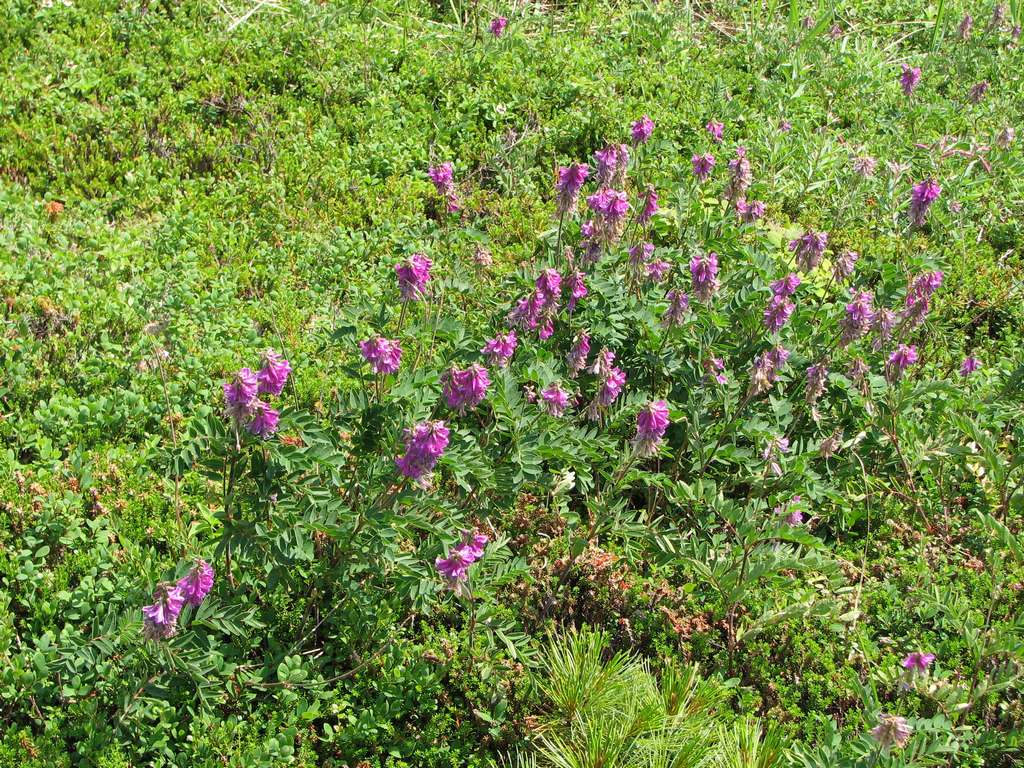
pixel 184 185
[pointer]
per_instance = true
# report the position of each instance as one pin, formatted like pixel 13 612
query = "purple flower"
pixel 703 165
pixel 577 357
pixel 610 208
pixel 383 355
pixel 809 249
pixel 786 286
pixel 651 423
pixel 567 188
pixel 610 382
pixel 264 420
pixel 549 285
pixel 891 731
pixel 160 620
pixel 858 318
pixel 678 305
pixel 785 126
pixel 642 130
pixel 474 543
pixel 714 368
pixel 240 395
pixel 555 399
pixel 197 583
pixel 740 176
pixel 442 176
pixel 498 25
pixel 918 662
pixel 904 357
pixel 612 162
pixel 969 366
pixel 657 269
pixel 844 264
pixel 704 273
pixel 790 511
pixel 714 129
pixel 640 254
pixel 918 297
pixel 413 274
pixel 577 289
pixel 424 445
pixel 274 373
pixel 777 313
pixel 455 567
pixel 909 79
pixel 465 389
pixel 765 370
pixel 922 196
pixel 650 205
pixel 749 212
pixel 611 386
pixel 499 350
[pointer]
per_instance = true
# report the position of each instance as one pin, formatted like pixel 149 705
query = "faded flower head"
pixel 978 91
pixel 864 166
pixel 809 249
pixel 657 269
pixel 678 305
pixel 844 264
pixel 891 731
pixel 751 211
pixel 576 360
pixel 1005 137
pixel 966 23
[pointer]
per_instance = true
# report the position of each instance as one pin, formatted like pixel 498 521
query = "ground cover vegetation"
pixel 572 384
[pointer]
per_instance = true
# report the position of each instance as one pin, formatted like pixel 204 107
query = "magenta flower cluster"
pixel 443 178
pixel 651 423
pixel 465 389
pixel 413 274
pixel 383 355
pixel 160 619
pixel 425 443
pixel 455 568
pixel 241 395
